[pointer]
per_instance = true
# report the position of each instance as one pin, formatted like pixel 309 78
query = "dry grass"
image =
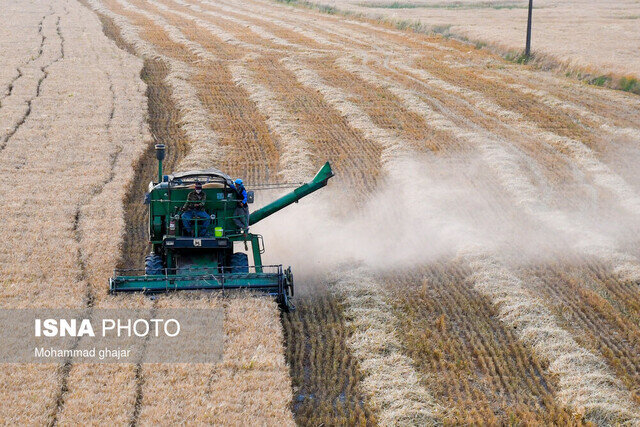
pixel 251 384
pixel 390 379
pixel 579 36
pixel 475 365
pixel 325 375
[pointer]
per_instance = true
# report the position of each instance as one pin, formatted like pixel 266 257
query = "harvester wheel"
pixel 153 264
pixel 239 263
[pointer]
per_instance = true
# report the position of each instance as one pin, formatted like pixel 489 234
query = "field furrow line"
pixel 195 120
pixel 243 11
pixel 400 401
pixel 257 30
pixel 9 86
pixel 295 164
pixel 83 382
pixel 17 106
pixel 583 156
pixel 97 255
pixel 586 383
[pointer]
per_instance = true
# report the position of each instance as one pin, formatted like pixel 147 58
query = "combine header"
pixel 180 261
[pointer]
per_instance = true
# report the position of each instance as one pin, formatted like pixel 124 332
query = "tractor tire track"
pixel 19 75
pixel 45 73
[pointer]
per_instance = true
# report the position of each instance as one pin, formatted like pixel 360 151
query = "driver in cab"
pixel 194 208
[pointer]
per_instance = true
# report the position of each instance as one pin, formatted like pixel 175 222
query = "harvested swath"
pixel 387 112
pixel 356 117
pixel 163 123
pixel 389 380
pixel 274 120
pixel 625 131
pixel 325 375
pixel 598 120
pixel 583 156
pixel 295 164
pixel 372 115
pixel 473 363
pixel 582 298
pixel 572 392
pixel 355 159
pixel 585 382
pixel 505 162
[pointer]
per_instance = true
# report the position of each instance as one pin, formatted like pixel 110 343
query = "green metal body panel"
pixel 205 262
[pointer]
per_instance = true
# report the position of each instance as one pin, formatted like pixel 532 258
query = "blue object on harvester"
pixel 182 262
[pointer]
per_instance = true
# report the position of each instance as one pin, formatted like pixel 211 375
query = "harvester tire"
pixel 239 263
pixel 153 264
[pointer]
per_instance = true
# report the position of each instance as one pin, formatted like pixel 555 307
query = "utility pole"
pixel 527 50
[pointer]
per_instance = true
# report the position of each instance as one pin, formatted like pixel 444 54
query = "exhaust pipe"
pixel 160 157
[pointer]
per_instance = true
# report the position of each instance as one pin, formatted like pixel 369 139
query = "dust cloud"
pixel 427 209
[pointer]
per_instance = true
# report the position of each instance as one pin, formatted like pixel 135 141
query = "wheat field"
pixel 474 261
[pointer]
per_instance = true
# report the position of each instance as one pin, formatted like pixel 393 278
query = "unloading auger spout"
pixel 319 181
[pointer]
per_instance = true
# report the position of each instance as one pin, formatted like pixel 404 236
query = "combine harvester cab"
pixel 181 261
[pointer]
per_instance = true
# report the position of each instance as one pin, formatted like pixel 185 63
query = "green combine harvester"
pixel 180 261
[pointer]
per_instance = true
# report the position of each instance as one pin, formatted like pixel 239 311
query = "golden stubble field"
pixel 592 36
pixel 475 260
